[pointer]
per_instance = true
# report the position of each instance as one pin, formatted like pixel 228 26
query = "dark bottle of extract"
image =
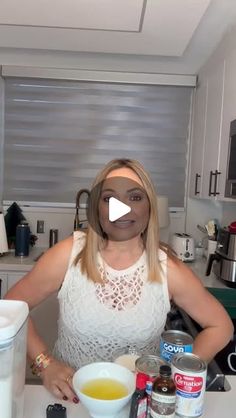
pixel 163 395
pixel 138 408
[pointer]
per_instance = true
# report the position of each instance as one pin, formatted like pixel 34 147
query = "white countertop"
pixel 37 398
pixel 10 262
pixel 199 268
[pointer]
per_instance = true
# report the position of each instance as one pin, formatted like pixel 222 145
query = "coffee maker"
pixel 224 258
pixel 13 333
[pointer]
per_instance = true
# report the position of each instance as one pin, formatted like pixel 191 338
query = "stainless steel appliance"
pixel 183 245
pixel 230 186
pixel 224 258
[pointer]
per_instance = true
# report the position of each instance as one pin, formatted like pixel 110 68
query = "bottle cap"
pixel 141 380
pixel 165 370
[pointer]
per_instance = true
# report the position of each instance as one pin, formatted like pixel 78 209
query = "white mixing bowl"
pixel 99 408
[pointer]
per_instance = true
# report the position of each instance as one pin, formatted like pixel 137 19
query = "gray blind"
pixel 58 134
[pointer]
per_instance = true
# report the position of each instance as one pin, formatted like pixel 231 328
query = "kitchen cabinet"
pixel 210 139
pixel 212 147
pixel 229 111
pixel 206 155
pixel 199 127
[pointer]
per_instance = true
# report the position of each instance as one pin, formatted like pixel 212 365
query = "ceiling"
pixel 172 31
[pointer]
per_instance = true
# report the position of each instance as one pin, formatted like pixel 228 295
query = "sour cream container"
pixel 189 375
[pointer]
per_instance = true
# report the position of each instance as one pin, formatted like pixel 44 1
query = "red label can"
pixel 189 375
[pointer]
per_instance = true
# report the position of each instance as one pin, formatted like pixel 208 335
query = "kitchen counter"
pixel 217 404
pixel 226 295
pixel 10 262
pixel 199 268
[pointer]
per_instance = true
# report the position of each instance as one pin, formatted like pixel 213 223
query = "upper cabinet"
pixel 213 138
pixel 212 116
pixel 199 127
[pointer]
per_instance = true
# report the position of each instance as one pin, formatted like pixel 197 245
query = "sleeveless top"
pixel 95 320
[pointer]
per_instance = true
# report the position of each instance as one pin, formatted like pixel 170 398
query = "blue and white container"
pixel 173 342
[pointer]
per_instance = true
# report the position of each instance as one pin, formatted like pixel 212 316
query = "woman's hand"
pixel 57 378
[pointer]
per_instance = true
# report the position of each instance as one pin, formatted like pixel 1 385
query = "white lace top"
pixel 95 319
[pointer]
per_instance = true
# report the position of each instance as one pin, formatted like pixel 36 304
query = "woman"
pixel 115 285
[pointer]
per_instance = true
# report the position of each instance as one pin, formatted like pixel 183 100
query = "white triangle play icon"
pixel 117 209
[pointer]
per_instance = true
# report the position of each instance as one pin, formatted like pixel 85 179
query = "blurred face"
pixel 124 185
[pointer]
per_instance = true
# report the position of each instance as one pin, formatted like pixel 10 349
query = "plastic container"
pixel 13 333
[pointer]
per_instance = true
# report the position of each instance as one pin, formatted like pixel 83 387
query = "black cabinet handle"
pixel 0 288
pixel 197 176
pixel 217 173
pixel 214 174
pixel 210 193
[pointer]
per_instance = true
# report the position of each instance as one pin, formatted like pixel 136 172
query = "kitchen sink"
pixel 216 380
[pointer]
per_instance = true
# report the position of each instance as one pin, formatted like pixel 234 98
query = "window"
pixel 58 134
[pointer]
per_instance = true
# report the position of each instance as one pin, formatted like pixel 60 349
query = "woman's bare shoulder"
pixel 59 254
pixel 181 278
pixel 52 265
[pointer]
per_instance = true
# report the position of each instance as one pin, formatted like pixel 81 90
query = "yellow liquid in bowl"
pixel 105 388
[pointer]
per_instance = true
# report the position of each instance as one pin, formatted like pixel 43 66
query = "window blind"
pixel 59 134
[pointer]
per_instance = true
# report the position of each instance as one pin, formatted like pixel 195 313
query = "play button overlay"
pixel 117 209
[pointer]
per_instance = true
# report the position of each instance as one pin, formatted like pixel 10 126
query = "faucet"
pixel 79 206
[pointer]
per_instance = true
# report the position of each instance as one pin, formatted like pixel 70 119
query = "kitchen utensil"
pixel 202 229
pixel 183 245
pixel 100 408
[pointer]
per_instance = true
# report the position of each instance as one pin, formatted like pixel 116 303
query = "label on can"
pixel 189 375
pixel 173 342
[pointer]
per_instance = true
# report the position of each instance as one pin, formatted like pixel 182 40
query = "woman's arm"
pixel 43 280
pixel 187 291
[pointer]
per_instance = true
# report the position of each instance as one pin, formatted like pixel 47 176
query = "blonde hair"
pixel 95 239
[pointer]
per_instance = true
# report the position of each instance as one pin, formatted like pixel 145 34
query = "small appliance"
pixel 13 333
pixel 224 258
pixel 183 245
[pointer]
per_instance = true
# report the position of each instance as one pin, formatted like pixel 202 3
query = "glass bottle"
pixel 163 396
pixel 138 408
